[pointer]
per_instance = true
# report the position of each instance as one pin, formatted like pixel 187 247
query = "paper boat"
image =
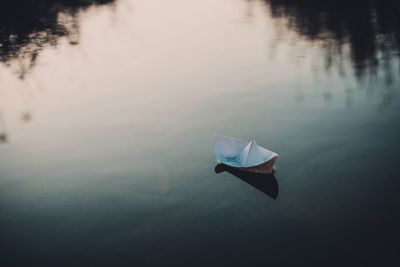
pixel 244 155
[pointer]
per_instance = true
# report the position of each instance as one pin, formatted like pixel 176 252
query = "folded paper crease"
pixel 239 153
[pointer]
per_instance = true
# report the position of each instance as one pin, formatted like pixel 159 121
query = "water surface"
pixel 107 111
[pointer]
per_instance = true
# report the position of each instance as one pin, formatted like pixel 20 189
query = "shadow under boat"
pixel 265 183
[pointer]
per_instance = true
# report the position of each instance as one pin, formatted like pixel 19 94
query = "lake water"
pixel 108 108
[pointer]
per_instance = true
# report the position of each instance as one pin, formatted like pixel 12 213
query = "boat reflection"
pixel 265 183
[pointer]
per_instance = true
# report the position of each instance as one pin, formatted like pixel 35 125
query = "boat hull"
pixel 267 167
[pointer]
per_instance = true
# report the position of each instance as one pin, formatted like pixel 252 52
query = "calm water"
pixel 107 111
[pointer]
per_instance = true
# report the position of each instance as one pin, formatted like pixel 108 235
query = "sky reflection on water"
pixel 107 110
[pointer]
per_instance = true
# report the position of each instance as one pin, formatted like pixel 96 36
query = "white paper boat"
pixel 244 155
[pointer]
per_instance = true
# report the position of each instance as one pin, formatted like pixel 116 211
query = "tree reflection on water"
pixel 371 28
pixel 27 26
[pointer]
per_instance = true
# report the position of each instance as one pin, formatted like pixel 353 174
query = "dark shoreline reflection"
pixel 27 26
pixel 371 28
pixel 265 183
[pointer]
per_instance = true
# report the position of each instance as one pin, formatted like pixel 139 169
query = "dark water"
pixel 107 110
